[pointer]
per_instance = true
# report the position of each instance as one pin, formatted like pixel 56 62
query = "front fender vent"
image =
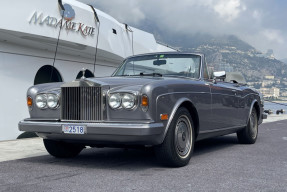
pixel 81 104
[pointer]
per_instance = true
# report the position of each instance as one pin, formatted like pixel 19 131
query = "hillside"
pixel 233 54
pixel 226 52
pixel 284 60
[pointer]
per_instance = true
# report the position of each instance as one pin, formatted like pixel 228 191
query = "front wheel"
pixel 61 149
pixel 177 147
pixel 248 135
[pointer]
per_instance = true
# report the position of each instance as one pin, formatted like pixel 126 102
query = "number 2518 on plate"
pixel 74 129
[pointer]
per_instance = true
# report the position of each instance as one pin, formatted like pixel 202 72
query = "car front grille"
pixel 81 104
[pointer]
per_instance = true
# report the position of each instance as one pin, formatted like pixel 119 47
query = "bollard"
pixel 269 111
pixel 280 111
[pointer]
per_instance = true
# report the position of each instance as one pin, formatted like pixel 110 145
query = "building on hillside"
pixel 225 67
pixel 270 77
pixel 270 92
pixel 267 83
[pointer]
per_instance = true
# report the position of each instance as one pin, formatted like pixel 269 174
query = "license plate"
pixel 74 129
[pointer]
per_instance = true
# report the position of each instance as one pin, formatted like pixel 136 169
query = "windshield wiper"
pixel 151 74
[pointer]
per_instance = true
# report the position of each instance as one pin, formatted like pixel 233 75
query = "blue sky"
pixel 261 23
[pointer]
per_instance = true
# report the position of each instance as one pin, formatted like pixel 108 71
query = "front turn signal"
pixel 144 103
pixel 29 101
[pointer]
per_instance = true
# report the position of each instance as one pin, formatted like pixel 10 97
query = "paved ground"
pixel 274 117
pixel 21 148
pixel 219 164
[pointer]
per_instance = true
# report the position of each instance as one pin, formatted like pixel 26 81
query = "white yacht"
pixel 51 41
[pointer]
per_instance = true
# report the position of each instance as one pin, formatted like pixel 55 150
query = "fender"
pixel 250 111
pixel 175 108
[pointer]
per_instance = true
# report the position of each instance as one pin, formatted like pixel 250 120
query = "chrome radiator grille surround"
pixel 81 104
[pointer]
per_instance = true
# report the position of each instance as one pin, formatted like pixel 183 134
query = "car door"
pixel 227 108
pixel 205 107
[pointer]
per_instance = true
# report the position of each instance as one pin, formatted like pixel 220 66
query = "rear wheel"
pixel 61 149
pixel 177 148
pixel 248 135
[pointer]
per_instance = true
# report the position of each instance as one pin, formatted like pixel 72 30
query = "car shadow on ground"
pixel 218 143
pixel 135 159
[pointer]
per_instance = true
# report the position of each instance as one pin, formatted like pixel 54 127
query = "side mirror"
pixel 219 75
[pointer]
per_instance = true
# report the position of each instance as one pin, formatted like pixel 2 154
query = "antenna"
pixel 61 26
pixel 97 21
pixel 61 5
pixel 130 30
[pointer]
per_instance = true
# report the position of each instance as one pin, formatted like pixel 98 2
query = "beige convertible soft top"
pixel 235 77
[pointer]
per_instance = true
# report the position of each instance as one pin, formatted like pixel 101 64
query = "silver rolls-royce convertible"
pixel 162 100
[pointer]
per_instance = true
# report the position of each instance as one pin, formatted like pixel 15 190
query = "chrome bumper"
pixel 124 133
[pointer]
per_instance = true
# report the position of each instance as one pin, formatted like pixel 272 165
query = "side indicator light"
pixel 29 101
pixel 164 116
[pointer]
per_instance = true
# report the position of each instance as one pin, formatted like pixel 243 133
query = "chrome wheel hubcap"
pixel 183 136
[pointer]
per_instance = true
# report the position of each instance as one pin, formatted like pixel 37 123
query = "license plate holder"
pixel 74 129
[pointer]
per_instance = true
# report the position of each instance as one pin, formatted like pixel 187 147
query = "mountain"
pixel 229 53
pixel 225 52
pixel 284 60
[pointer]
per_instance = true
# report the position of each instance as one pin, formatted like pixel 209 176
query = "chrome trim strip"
pixel 30 119
pixel 222 129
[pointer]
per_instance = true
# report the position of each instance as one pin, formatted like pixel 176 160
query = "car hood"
pixel 118 82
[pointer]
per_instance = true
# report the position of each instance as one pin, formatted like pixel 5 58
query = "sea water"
pixel 275 106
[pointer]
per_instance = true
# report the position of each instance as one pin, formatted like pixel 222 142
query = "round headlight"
pixel 52 101
pixel 115 101
pixel 128 101
pixel 41 101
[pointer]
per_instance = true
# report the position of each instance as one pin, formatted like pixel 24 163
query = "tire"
pixel 61 149
pixel 177 147
pixel 26 135
pixel 249 134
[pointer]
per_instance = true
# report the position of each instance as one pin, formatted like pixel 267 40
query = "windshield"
pixel 185 65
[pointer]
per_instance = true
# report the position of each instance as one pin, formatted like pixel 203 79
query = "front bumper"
pixel 99 133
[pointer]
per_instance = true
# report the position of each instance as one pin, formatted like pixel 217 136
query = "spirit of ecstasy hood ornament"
pixel 83 73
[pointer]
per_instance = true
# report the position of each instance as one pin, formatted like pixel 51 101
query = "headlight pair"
pixel 126 100
pixel 44 101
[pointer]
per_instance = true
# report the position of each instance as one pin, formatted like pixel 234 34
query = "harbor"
pixel 125 96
